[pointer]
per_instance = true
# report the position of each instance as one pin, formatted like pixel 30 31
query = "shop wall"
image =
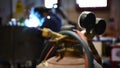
pixel 115 14
pixel 8 8
pixel 70 7
pixel 5 10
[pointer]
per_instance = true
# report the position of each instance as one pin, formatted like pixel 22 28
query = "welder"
pixel 52 22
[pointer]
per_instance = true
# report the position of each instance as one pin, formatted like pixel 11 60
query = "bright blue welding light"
pixel 34 20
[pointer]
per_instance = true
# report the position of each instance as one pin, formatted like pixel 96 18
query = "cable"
pixel 81 41
pixel 44 56
pixel 49 52
pixel 83 44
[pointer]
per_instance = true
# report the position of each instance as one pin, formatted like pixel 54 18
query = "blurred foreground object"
pixel 72 40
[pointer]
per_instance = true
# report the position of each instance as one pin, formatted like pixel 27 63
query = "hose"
pixel 46 52
pixel 83 44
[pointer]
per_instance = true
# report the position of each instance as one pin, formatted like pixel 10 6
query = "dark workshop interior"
pixel 59 34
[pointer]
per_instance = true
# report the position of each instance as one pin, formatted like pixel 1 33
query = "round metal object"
pixel 86 20
pixel 100 26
